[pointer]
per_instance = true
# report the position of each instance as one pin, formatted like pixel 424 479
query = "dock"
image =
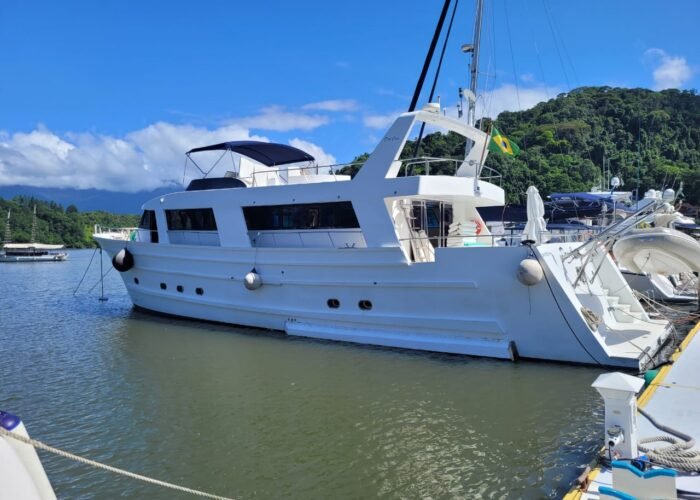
pixel 673 399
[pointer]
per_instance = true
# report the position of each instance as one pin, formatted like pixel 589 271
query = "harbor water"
pixel 249 413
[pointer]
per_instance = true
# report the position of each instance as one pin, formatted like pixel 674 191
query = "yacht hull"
pixel 469 301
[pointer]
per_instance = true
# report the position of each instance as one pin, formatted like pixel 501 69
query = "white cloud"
pixel 509 98
pixel 332 105
pixel 322 158
pixel 144 159
pixel 380 121
pixel 504 98
pixel 277 118
pixel 670 72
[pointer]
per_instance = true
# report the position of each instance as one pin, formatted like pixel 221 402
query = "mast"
pixel 34 226
pixel 474 65
pixel 473 49
pixel 8 235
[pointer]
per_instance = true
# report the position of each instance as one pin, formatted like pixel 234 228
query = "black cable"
pixel 429 56
pixel 437 74
pixel 561 311
pixel 664 428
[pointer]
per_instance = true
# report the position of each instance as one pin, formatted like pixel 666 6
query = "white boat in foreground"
pixel 281 243
pixel 22 476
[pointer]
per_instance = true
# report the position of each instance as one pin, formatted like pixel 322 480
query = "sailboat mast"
pixel 8 234
pixel 474 65
pixel 473 49
pixel 34 226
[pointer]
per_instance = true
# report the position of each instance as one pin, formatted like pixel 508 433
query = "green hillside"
pixel 564 141
pixel 56 225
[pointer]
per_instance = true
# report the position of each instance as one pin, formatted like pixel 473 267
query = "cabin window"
pixel 148 222
pixel 194 219
pixel 193 226
pixel 334 215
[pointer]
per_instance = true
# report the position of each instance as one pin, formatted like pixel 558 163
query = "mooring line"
pixel 42 446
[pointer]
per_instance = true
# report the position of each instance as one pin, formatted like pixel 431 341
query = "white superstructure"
pixel 387 258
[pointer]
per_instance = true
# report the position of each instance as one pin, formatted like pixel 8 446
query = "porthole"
pixel 365 305
pixel 163 286
pixel 199 291
pixel 333 303
pixel 136 280
pixel 180 288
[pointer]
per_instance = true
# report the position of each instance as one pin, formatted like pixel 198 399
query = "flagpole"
pixel 481 160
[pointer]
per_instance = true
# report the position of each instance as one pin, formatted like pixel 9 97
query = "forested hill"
pixel 563 142
pixel 54 224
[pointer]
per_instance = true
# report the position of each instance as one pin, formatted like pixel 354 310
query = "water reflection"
pixel 251 413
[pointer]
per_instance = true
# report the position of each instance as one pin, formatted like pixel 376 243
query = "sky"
pixel 110 94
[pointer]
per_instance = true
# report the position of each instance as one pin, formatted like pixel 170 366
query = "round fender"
pixel 530 272
pixel 123 260
pixel 252 281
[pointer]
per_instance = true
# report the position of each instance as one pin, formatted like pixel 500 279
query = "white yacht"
pixel 386 258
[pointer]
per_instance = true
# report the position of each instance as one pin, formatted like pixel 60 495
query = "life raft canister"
pixel 123 260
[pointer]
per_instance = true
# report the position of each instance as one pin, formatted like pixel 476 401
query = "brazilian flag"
pixel 501 144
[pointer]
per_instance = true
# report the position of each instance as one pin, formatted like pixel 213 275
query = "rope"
pixel 437 75
pixel 85 273
pixel 41 446
pixel 429 56
pixel 678 455
pixel 101 279
pixel 512 56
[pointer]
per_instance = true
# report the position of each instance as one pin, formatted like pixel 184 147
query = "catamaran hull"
pixel 467 302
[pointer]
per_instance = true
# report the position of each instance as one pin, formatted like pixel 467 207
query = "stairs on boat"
pixel 621 311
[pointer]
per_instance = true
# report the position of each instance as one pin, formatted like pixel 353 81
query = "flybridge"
pixel 258 164
pixel 267 153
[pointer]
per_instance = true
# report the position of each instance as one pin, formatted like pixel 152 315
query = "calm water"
pixel 252 414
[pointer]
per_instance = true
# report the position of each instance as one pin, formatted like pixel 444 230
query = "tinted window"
pixel 148 220
pixel 302 216
pixel 194 219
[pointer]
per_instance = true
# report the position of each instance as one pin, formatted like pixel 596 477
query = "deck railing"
pixel 423 165
pixel 123 233
pixel 514 238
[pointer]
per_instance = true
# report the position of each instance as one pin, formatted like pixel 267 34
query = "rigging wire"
pixel 512 56
pixel 437 74
pixel 556 44
pixel 487 94
pixel 429 56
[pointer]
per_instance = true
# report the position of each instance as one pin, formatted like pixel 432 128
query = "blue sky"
pixel 110 94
